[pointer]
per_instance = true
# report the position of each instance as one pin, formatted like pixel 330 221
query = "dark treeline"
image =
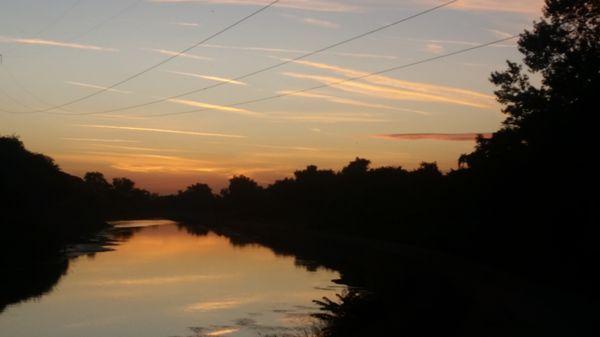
pixel 41 209
pixel 41 206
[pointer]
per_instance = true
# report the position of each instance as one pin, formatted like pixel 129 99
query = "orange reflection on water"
pixel 163 280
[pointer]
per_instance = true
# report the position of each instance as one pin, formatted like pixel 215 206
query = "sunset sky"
pixel 55 52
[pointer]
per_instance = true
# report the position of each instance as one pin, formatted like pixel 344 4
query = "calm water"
pixel 163 282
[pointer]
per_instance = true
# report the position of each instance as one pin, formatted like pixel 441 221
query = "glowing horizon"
pixel 429 112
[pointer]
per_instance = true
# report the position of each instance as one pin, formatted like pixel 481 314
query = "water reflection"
pixel 160 280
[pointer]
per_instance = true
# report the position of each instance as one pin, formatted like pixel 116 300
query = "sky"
pixel 60 57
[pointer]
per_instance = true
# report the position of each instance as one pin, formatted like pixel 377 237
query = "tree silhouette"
pixel 543 212
pixel 197 197
pixel 243 195
pixel 564 50
pixel 357 167
pixel 123 186
pixel 97 182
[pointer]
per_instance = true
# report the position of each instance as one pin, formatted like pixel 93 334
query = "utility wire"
pixel 54 22
pixel 10 97
pixel 41 32
pixel 352 79
pixel 97 26
pixel 23 88
pixel 254 73
pixel 58 19
pixel 105 21
pixel 138 74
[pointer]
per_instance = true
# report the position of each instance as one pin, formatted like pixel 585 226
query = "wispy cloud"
pixel 433 136
pixel 309 5
pixel 201 105
pixel 312 21
pixel 136 148
pixel 93 86
pixel 299 51
pixel 206 77
pixel 385 80
pixel 327 118
pixel 180 132
pixel 384 92
pixel 143 163
pixel 53 43
pixel 286 148
pixel 185 24
pixel 164 164
pixel 320 23
pixel 391 88
pixel 100 140
pixel 515 6
pixel 443 42
pixel 500 34
pixel 117 116
pixel 434 48
pixel 175 53
pixel 349 101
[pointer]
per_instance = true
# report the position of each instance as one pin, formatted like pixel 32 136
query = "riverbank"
pixel 420 292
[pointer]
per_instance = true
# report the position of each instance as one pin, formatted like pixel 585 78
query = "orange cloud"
pixel 176 53
pixel 134 162
pixel 434 136
pixel 386 92
pixel 100 140
pixel 326 118
pixel 93 86
pixel 347 101
pixel 53 43
pixel 205 77
pixel 185 24
pixel 297 51
pixel 515 6
pixel 201 105
pixel 310 5
pixel 419 90
pixel 190 133
pixel 321 23
pixel 434 48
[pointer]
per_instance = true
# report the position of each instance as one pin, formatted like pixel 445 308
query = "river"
pixel 160 280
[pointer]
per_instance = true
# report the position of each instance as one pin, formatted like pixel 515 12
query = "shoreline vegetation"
pixel 504 245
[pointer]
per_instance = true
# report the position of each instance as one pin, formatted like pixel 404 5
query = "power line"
pixel 138 74
pixel 59 18
pixel 39 33
pixel 23 88
pixel 54 22
pixel 352 79
pixel 15 100
pixel 105 21
pixel 254 73
pixel 97 26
